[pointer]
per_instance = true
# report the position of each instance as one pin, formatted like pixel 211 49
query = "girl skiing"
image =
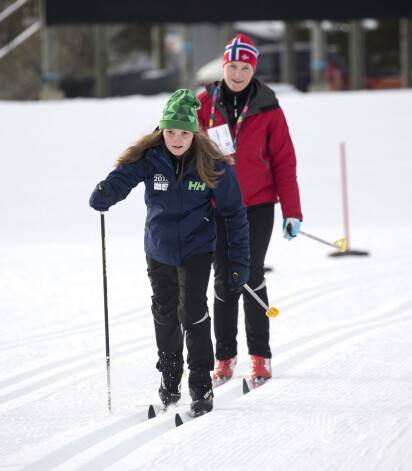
pixel 183 172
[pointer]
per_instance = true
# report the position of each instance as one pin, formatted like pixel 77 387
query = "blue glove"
pixel 97 199
pixel 236 282
pixel 291 228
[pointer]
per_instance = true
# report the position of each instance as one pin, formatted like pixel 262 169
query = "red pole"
pixel 344 192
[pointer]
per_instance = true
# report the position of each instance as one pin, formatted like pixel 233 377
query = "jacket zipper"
pixel 171 171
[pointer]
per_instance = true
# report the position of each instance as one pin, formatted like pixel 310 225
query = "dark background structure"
pixel 185 11
pixel 50 49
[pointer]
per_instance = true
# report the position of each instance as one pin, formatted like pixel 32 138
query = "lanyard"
pixel 239 121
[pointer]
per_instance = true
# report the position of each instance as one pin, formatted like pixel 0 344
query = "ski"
pixel 248 385
pixel 158 410
pixel 219 381
pixel 151 413
pixel 178 420
pixel 184 417
pixel 259 382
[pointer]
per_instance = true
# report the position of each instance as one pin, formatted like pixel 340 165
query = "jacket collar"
pixel 262 98
pixel 161 155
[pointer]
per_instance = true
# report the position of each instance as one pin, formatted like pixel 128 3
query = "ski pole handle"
pixel 270 311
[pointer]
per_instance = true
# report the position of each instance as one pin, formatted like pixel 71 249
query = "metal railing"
pixel 23 36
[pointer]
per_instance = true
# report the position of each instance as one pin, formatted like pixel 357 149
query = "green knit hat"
pixel 180 112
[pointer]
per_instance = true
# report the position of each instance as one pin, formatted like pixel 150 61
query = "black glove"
pixel 238 276
pixel 98 197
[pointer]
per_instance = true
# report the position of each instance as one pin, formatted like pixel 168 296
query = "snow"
pixel 341 394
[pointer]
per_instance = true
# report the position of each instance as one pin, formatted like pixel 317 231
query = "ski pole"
pixel 270 311
pixel 341 244
pixel 106 311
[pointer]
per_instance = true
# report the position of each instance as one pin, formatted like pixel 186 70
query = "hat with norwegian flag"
pixel 241 48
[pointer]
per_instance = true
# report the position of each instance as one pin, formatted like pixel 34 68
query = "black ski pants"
pixel 225 309
pixel 179 305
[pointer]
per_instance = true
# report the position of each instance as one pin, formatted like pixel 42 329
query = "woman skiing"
pixel 243 115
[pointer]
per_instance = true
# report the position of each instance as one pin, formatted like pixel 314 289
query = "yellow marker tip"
pixel 273 312
pixel 341 244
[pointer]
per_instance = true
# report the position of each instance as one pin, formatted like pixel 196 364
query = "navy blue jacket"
pixel 180 218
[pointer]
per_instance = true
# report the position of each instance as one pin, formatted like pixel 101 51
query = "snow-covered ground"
pixel 341 397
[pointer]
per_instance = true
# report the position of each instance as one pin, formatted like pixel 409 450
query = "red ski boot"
pixel 261 369
pixel 223 371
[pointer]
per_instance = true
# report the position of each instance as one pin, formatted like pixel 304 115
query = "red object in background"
pixel 379 83
pixel 334 77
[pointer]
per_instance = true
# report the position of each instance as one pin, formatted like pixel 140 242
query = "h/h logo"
pixel 196 186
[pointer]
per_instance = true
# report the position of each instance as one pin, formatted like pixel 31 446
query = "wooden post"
pixel 357 55
pixel 288 56
pixel 158 48
pixel 317 58
pixel 101 86
pixel 406 51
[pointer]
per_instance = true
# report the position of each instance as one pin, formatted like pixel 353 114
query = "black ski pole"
pixel 106 310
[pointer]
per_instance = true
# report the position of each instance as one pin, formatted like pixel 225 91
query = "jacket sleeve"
pixel 228 200
pixel 117 185
pixel 283 164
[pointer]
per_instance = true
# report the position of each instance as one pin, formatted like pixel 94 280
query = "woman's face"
pixel 177 141
pixel 237 75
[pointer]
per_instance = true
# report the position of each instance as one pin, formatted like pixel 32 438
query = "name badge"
pixel 222 137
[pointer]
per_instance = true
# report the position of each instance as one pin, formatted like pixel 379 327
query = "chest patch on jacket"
pixel 160 182
pixel 196 186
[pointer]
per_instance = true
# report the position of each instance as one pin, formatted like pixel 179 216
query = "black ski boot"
pixel 170 384
pixel 202 400
pixel 169 390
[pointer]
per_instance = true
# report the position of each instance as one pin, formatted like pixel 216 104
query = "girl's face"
pixel 177 141
pixel 237 75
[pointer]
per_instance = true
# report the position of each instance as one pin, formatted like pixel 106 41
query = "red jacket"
pixel 265 160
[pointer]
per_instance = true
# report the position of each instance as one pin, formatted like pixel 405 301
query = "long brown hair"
pixel 207 154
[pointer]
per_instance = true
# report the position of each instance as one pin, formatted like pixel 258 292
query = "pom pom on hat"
pixel 180 112
pixel 241 48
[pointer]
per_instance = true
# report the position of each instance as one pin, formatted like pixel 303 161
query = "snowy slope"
pixel 342 388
